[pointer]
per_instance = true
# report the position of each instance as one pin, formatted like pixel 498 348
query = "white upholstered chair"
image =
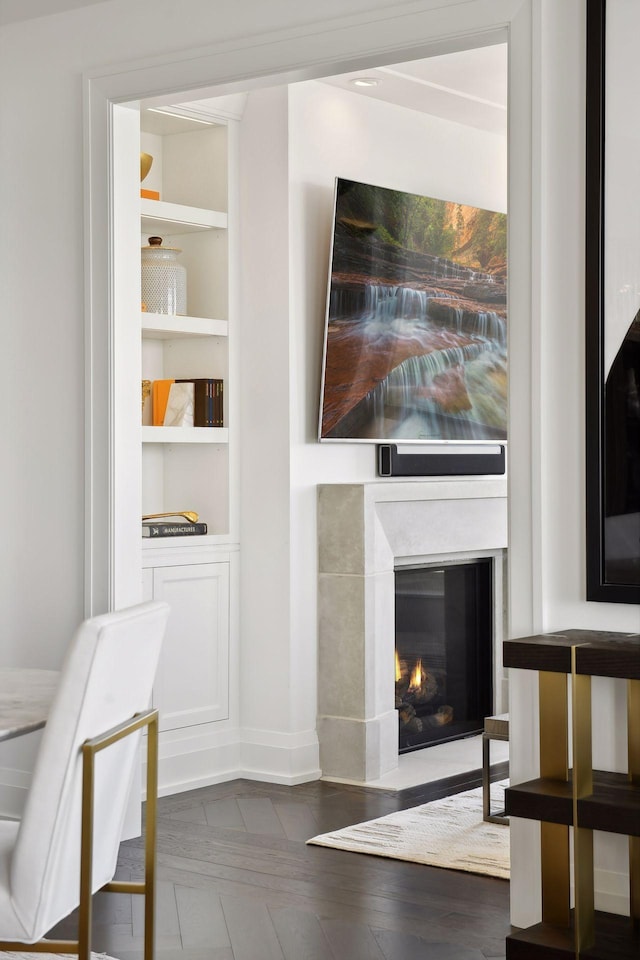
pixel 65 847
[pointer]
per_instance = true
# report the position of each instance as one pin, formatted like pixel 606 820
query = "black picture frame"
pixel 604 580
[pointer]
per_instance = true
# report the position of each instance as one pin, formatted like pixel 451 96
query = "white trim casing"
pixel 398 33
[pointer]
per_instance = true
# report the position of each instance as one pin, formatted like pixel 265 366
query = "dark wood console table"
pixel 581 798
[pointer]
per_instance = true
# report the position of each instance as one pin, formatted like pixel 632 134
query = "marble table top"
pixel 25 698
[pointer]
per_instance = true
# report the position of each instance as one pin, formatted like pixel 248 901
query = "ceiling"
pixel 11 11
pixel 468 87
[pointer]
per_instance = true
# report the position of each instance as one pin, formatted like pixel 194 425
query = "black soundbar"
pixel 453 463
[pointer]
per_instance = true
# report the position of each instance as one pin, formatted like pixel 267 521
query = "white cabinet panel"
pixel 192 684
pixel 147 584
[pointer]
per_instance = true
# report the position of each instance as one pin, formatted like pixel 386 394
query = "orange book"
pixel 160 396
pixel 149 194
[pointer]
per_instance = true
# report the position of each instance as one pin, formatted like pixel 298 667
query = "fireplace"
pixel 443 651
pixel 366 533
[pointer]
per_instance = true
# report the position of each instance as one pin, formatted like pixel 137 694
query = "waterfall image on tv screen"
pixel 416 324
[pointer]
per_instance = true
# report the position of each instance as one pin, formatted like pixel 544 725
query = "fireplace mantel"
pixel 364 531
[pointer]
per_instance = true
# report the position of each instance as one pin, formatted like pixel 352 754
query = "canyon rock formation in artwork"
pixel 416 343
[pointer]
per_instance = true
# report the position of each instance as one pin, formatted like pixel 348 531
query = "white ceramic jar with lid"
pixel 164 280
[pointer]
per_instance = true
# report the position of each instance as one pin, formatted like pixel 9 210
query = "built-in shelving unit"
pixel 190 468
pixel 187 468
pixel 581 798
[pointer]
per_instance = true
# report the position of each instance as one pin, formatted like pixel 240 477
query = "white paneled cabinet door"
pixel 192 681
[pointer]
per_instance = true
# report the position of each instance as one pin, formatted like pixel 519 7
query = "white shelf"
pixel 207 541
pixel 185 434
pixel 159 216
pixel 163 326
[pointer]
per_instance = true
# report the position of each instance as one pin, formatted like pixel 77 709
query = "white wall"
pixel 332 133
pixel 265 405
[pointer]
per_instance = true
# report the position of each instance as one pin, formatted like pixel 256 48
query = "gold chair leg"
pixel 86 854
pixel 151 831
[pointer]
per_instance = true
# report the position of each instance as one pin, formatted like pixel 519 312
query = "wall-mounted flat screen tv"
pixel 416 321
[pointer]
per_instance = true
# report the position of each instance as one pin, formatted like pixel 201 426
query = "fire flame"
pixel 417 677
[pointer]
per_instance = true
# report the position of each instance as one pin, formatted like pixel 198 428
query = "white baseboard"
pixel 287 758
pixel 199 757
pixel 611 891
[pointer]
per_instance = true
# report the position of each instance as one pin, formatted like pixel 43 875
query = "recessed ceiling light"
pixel 365 82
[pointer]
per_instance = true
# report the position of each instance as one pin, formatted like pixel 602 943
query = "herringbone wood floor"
pixel 238 882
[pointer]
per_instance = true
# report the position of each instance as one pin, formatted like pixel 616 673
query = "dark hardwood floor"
pixel 238 882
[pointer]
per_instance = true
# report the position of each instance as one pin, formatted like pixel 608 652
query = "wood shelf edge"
pixel 616 939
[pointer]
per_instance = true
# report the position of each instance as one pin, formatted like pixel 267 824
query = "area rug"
pixel 446 833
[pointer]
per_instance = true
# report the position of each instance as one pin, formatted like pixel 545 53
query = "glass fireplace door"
pixel 444 643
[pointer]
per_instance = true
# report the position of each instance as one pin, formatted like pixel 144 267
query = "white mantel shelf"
pixel 434 488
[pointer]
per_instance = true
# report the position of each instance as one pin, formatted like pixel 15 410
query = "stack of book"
pixel 207 401
pixel 173 528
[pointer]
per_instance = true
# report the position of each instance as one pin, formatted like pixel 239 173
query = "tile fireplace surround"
pixel 365 530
